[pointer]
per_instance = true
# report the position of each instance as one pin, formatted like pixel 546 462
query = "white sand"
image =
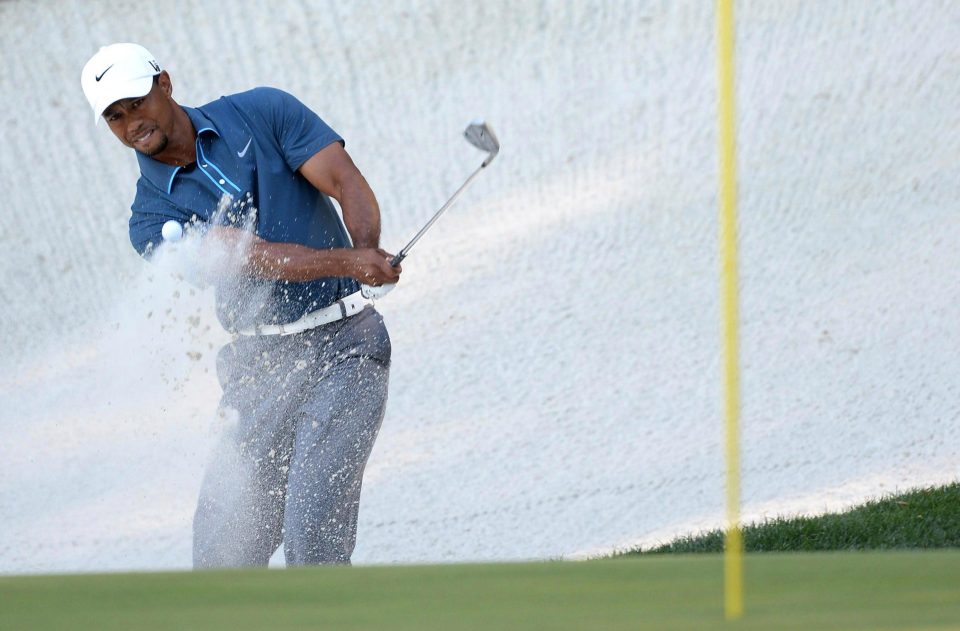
pixel 556 383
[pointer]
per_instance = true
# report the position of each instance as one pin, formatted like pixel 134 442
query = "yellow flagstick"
pixel 733 549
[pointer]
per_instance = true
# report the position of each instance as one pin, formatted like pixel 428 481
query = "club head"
pixel 479 134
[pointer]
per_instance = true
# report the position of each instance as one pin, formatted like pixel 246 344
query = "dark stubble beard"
pixel 161 145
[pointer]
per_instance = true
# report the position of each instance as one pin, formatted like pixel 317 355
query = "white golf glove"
pixel 375 293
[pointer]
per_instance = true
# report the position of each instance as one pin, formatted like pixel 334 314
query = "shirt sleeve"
pixel 149 213
pixel 299 132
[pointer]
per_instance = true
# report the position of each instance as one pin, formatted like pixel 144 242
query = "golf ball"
pixel 172 231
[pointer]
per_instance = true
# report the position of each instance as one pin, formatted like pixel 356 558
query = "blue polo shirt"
pixel 249 149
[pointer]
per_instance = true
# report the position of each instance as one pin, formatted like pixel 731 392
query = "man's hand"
pixel 371 266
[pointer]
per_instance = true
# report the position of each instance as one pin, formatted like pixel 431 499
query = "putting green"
pixel 863 590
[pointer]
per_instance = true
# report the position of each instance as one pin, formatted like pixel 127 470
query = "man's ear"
pixel 163 80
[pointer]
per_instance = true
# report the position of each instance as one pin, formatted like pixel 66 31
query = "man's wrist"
pixel 366 241
pixel 340 262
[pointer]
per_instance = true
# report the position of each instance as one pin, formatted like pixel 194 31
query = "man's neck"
pixel 181 148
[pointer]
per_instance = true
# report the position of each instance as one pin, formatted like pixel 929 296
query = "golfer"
pixel 305 379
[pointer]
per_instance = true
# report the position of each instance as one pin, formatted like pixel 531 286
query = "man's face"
pixel 144 123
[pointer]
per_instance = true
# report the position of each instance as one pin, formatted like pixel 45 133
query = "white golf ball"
pixel 172 231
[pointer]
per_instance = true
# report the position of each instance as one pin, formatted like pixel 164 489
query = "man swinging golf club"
pixel 307 374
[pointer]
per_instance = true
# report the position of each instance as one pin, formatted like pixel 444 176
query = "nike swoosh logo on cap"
pixel 100 76
pixel 240 154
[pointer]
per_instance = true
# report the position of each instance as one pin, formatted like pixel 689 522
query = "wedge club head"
pixel 479 134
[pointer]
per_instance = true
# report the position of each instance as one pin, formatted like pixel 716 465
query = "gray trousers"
pixel 308 409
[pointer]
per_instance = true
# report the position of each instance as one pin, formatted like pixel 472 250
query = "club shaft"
pixel 406 249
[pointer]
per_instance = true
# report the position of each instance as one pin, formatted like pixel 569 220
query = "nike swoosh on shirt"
pixel 100 76
pixel 240 154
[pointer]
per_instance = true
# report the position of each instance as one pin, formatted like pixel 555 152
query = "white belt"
pixel 343 308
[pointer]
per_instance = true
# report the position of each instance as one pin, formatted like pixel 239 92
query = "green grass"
pixel 875 590
pixel 924 518
pixel 891 589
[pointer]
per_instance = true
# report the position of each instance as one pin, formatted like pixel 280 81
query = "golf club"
pixel 478 134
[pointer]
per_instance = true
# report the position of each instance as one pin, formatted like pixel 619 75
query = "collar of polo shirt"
pixel 161 175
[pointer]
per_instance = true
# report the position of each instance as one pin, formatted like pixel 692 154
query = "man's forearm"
pixel 249 254
pixel 332 172
pixel 361 213
pixel 282 261
pixel 297 263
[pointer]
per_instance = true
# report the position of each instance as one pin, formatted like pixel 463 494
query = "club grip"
pixel 396 260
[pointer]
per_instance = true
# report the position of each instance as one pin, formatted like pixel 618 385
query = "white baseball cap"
pixel 117 71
